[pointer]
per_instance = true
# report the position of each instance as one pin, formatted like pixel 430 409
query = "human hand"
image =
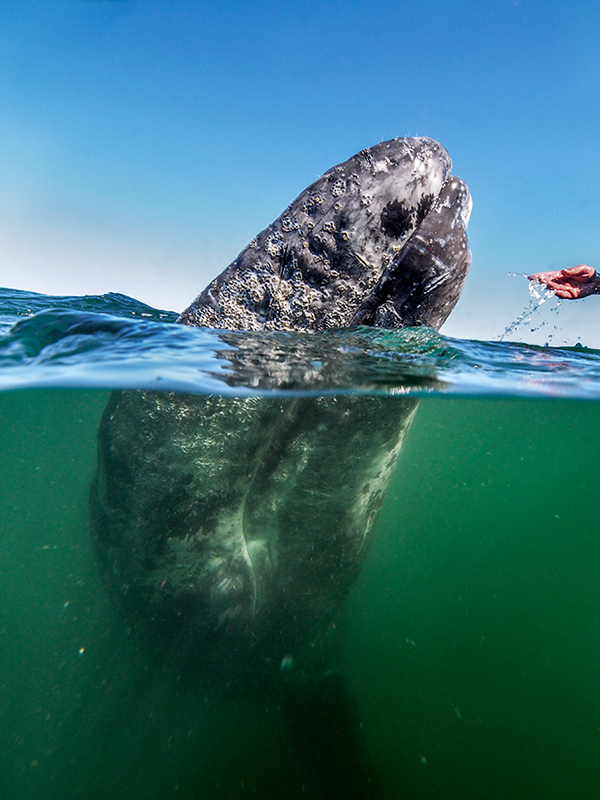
pixel 570 284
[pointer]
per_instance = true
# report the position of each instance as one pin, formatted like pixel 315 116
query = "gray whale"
pixel 234 528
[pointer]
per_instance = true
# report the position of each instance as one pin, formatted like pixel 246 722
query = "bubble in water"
pixel 287 663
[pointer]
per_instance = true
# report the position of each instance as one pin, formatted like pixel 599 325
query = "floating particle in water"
pixel 287 663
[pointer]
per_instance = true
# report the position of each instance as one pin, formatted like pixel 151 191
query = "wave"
pixel 115 342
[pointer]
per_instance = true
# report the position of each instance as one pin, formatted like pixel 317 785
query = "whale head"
pixel 378 240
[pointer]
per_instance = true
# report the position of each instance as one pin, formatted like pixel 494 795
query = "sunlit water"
pixel 473 633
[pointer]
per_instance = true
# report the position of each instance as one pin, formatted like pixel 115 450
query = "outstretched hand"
pixel 570 284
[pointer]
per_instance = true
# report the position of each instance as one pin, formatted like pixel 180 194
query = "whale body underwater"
pixel 232 529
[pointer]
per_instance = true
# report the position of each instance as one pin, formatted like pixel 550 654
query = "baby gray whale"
pixel 232 529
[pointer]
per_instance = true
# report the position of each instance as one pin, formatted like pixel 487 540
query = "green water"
pixel 473 636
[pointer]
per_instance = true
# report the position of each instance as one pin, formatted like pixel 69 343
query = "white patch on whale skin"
pixel 377 480
pixel 379 167
pixel 466 210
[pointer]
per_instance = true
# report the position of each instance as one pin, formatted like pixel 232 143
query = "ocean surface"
pixel 472 635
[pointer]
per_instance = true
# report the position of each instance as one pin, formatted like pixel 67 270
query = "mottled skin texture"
pixel 241 522
pixel 238 526
pixel 378 240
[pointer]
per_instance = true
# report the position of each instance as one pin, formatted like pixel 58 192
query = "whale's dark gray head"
pixel 378 240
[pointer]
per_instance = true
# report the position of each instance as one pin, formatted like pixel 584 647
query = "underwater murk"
pixel 472 636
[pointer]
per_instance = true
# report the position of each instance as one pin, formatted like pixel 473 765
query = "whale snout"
pixel 378 240
pixel 423 282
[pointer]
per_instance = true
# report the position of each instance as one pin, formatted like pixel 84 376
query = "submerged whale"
pixel 232 529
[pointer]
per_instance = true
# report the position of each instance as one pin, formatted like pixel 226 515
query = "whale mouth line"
pixel 397 284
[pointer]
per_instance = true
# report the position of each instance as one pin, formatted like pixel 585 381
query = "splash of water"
pixel 539 295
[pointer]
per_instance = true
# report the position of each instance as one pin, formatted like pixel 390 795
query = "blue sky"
pixel 143 143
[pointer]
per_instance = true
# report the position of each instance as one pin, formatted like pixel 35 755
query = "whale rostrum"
pixel 378 240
